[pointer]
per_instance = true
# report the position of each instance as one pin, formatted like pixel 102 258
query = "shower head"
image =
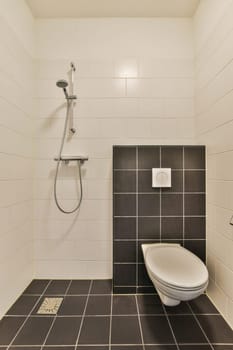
pixel 63 84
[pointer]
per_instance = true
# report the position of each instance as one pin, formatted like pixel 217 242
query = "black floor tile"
pixel 180 309
pixel 99 305
pixel 125 330
pixel 125 347
pixel 8 328
pixel 186 329
pixel 34 331
pixel 95 330
pixel 90 348
pixel 149 304
pixel 160 347
pixel 216 328
pixel 72 305
pixel 64 331
pixel 156 330
pixel 124 305
pixel 36 287
pixel 26 348
pixel 223 347
pixel 195 347
pixel 57 287
pixel 203 305
pixel 101 287
pixel 24 305
pixel 79 287
pixel 56 348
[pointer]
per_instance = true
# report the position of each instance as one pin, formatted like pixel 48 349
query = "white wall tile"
pixel 160 88
pixel 214 34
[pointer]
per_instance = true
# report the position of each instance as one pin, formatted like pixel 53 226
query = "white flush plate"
pixel 161 177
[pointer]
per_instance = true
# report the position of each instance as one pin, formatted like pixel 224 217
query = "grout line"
pixel 54 320
pixel 110 326
pixel 183 197
pixel 139 321
pixel 170 326
pixel 83 315
pixel 165 216
pixel 160 199
pixel 20 328
pixel 136 217
pixel 200 327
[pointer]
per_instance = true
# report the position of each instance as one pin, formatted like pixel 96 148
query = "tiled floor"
pixel 90 317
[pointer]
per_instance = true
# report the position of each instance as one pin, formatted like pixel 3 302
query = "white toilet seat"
pixel 176 273
pixel 176 267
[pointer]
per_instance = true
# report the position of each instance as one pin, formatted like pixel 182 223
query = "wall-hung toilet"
pixel 176 273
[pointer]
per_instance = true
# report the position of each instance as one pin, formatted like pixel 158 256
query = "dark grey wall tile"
pixel 195 227
pixel 124 228
pixel 124 290
pixel 146 290
pixel 148 205
pixel 198 247
pixel 148 228
pixel 194 157
pixel 124 204
pixel 148 157
pixel 124 274
pixel 143 278
pixel 176 182
pixel 139 247
pixel 145 182
pixel 172 204
pixel 124 181
pixel 171 228
pixel 172 157
pixel 124 251
pixel 194 204
pixel 124 157
pixel 194 181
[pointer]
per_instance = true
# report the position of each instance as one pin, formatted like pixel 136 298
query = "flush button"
pixel 161 177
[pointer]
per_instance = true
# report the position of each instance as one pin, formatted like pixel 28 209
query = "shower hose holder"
pixel 67 159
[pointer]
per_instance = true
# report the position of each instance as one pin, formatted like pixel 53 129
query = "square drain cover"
pixel 50 306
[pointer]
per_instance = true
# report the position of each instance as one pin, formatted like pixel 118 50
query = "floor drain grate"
pixel 50 306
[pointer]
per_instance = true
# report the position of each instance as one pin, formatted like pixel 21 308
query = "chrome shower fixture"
pixel 72 65
pixel 63 84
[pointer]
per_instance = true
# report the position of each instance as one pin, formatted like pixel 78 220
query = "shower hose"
pixel 59 161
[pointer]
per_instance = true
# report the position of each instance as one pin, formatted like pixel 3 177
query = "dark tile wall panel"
pixel 142 214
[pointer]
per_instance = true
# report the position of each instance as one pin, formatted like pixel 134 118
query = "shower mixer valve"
pixel 73 130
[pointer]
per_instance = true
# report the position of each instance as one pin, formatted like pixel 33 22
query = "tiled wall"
pixel 134 83
pixel 214 97
pixel 16 150
pixel 145 214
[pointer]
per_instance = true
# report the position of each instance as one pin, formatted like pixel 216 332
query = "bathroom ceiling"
pixel 112 8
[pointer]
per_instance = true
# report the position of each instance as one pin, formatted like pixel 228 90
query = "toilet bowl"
pixel 176 273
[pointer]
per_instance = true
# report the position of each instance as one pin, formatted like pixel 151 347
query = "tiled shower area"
pixel 92 318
